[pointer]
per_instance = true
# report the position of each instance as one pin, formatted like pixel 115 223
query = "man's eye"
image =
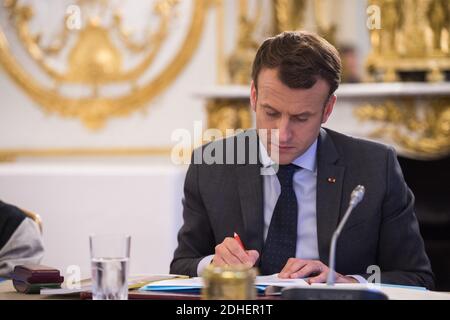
pixel 272 114
pixel 301 119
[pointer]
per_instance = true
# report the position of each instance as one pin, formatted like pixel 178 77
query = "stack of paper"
pixel 264 283
pixel 180 285
pixel 194 285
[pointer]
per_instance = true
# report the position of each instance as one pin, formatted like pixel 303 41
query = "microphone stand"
pixel 330 291
pixel 336 234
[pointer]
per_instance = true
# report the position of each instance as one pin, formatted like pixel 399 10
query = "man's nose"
pixel 284 130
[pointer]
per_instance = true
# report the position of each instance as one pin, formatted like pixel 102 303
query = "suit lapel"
pixel 251 200
pixel 330 178
pixel 249 181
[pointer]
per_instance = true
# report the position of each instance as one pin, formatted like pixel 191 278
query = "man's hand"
pixel 230 253
pixel 314 269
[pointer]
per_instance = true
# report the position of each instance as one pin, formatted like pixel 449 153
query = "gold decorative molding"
pixel 252 28
pixel 421 130
pixel 222 75
pixel 325 27
pixel 240 61
pixel 414 38
pixel 228 114
pixel 10 155
pixel 288 15
pixel 94 110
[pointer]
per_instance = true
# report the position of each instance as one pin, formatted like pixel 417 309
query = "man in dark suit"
pixel 286 206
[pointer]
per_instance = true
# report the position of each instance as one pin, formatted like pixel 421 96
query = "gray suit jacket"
pixel 220 199
pixel 20 239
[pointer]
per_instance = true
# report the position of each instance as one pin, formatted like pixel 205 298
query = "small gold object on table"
pixel 229 283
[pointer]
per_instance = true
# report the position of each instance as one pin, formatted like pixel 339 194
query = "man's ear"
pixel 253 96
pixel 329 108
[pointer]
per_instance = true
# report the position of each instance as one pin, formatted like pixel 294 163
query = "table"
pixel 7 292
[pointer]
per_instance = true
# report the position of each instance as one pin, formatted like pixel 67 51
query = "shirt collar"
pixel 306 161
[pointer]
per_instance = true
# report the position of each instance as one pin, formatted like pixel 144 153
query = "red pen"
pixel 238 239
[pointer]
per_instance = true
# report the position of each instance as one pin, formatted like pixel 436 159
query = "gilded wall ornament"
pixel 423 131
pixel 226 114
pixel 412 42
pixel 105 68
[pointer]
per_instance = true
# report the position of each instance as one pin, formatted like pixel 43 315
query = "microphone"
pixel 355 198
pixel 357 195
pixel 330 291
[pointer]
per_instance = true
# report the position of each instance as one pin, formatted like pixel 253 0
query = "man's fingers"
pixel 345 279
pixel 218 261
pixel 233 254
pixel 293 265
pixel 236 250
pixel 253 255
pixel 320 278
pixel 286 267
pixel 223 252
pixel 307 270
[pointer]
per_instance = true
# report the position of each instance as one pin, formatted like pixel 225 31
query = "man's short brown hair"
pixel 302 58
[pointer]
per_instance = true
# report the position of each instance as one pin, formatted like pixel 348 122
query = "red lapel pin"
pixel 331 180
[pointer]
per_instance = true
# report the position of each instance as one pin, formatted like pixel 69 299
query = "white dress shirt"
pixel 304 183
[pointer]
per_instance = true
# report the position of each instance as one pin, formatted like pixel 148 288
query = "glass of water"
pixel 110 263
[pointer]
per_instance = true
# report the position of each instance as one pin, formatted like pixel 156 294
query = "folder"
pixel 194 285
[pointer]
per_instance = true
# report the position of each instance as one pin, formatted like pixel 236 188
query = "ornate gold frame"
pixel 93 112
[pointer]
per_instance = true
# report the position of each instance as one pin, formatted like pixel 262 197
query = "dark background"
pixel 430 183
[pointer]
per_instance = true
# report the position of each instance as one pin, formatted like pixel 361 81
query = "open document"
pixel 194 285
pixel 273 285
